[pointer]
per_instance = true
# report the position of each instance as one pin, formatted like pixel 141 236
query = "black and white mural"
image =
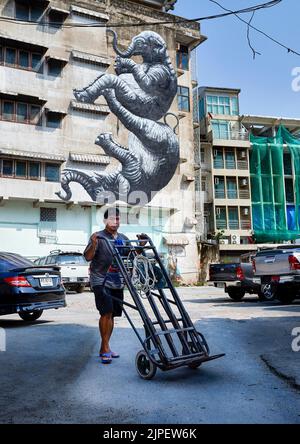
pixel 140 95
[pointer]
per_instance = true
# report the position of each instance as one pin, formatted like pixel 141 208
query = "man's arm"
pixel 90 250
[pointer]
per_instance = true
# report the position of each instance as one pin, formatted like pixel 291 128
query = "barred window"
pixel 48 214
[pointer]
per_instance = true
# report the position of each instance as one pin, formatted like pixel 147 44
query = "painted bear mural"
pixel 139 95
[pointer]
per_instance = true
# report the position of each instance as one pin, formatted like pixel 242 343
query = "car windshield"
pixel 11 261
pixel 75 259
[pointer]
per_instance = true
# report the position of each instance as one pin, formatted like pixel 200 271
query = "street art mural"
pixel 139 95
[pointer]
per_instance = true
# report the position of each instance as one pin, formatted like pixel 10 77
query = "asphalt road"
pixel 50 372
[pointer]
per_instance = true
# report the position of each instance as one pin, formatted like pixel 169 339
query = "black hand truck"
pixel 171 339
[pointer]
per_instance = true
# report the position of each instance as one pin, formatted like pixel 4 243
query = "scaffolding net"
pixel 275 187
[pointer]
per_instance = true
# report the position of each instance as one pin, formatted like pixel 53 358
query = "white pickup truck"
pixel 277 270
pixel 74 268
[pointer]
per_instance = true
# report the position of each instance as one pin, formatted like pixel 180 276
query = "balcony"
pixel 218 164
pixel 232 194
pixel 244 194
pixel 220 194
pixel 246 224
pixel 221 224
pixel 242 165
pixel 234 224
pixel 231 135
pixel 230 164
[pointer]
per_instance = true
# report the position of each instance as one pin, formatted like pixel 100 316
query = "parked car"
pixel 73 267
pixel 28 289
pixel 277 271
pixel 237 279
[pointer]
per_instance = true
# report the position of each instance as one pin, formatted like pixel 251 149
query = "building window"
pixel 220 129
pixel 54 120
pixel 55 67
pixel 202 155
pixel 48 214
pixel 52 172
pixel 8 112
pixel 232 188
pixel 218 159
pixel 183 98
pixel 289 191
pixel 28 11
pixel 287 159
pixel 182 57
pixel 21 58
pixel 20 169
pixel 56 18
pixel 230 160
pixel 34 171
pixel 221 218
pixel 219 187
pixel 7 167
pixel 204 184
pixel 233 218
pixel 20 112
pixel 224 105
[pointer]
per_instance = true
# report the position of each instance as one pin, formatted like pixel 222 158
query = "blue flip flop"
pixel 112 354
pixel 105 358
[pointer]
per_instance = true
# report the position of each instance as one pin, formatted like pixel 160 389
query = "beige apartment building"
pixel 224 203
pixel 224 181
pixel 48 48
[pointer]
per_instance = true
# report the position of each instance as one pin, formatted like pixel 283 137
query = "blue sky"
pixel 225 59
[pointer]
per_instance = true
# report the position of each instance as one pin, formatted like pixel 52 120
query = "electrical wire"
pixel 290 50
pixel 228 12
pixel 128 25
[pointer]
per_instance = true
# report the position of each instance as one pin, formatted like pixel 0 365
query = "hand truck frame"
pixel 159 353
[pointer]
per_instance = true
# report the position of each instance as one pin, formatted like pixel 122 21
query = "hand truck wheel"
pixel 145 368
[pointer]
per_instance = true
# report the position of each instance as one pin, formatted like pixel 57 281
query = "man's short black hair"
pixel 111 212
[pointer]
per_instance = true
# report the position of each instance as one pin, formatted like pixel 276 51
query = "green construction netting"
pixel 275 189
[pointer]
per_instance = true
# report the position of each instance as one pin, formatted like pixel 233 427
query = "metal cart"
pixel 171 339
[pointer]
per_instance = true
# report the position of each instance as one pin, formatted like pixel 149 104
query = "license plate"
pixel 221 285
pixel 73 280
pixel 46 282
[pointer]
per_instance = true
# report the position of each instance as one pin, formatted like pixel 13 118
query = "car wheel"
pixel 30 316
pixel 80 288
pixel 236 294
pixel 268 292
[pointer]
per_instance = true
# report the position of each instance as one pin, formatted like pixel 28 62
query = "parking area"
pixel 50 371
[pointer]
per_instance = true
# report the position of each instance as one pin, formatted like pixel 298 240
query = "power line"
pixel 251 9
pixel 290 50
pixel 125 25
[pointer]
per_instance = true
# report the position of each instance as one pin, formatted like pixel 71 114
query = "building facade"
pixel 48 48
pixel 224 175
pixel 228 199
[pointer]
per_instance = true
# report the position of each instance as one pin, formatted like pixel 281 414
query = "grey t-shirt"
pixel 102 267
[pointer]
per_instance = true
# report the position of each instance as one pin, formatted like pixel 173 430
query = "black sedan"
pixel 28 289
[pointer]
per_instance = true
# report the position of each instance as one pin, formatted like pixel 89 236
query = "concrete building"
pixel 44 54
pixel 223 177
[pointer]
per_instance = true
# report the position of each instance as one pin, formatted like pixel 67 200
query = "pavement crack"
pixel 290 380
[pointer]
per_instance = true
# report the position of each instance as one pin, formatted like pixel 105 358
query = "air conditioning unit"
pixel 243 154
pixel 235 239
pixel 246 212
pixel 224 241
